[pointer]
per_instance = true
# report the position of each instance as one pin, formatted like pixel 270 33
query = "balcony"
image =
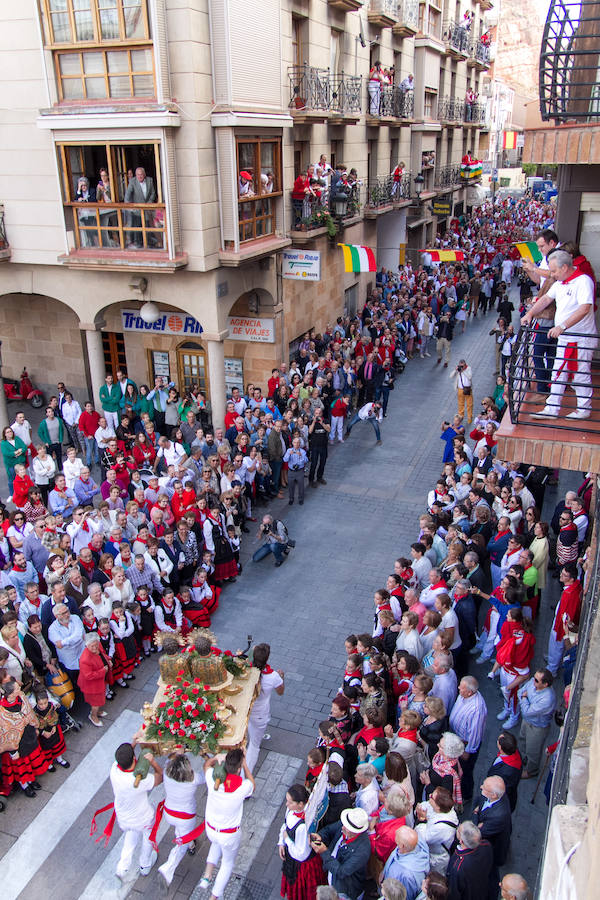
pixel 315 217
pixel 479 55
pixel 447 177
pixel 569 59
pixel 408 19
pixel 390 106
pixel 475 115
pixel 451 111
pixel 345 5
pixel 4 245
pixel 456 40
pixel 383 13
pixel 384 194
pixel 559 442
pixel 316 95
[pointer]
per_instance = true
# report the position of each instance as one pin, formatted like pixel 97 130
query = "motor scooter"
pixel 23 390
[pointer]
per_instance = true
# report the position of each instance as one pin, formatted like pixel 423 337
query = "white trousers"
pixel 178 852
pixel 223 847
pixel 374 88
pixel 112 418
pixel 581 377
pixel 256 732
pixel 337 427
pixel 487 639
pixel 131 840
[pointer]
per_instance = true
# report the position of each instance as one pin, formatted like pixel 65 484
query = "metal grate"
pixel 569 57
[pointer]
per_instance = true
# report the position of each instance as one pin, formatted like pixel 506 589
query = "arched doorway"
pixel 192 367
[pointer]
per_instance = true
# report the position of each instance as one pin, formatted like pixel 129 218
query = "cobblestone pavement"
pixel 348 534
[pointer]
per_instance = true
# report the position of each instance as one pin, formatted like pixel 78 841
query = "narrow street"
pixel 348 535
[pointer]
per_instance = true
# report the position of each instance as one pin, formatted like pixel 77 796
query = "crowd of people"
pixel 92 567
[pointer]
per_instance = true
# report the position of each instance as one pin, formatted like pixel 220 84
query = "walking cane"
pixel 539 781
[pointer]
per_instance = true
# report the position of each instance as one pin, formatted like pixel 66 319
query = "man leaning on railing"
pixel 575 330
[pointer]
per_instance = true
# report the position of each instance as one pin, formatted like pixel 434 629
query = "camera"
pixel 265 528
pixel 460 368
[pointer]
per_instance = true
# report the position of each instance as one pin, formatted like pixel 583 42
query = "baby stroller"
pixel 400 359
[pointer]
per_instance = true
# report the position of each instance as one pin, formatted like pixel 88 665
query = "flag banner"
pixel 358 259
pixel 471 170
pixel 446 255
pixel 509 140
pixel 529 250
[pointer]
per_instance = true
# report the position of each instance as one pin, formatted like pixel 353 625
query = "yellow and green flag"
pixel 358 259
pixel 529 250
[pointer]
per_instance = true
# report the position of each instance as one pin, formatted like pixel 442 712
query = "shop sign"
pixel 301 265
pixel 167 323
pixel 160 363
pixel 249 328
pixel 440 208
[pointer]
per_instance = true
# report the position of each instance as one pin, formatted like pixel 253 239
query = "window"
pixel 112 195
pixel 259 181
pixel 429 105
pixel 102 48
pixel 113 347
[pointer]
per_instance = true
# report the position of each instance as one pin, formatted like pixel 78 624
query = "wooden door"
pixel 113 345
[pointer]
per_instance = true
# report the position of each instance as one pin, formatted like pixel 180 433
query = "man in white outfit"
pixel 261 708
pixel 179 809
pixel 133 811
pixel 575 329
pixel 224 809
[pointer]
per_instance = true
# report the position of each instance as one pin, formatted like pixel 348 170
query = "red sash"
pixel 109 827
pixel 160 809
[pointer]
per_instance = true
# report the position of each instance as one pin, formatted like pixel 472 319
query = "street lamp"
pixel 419 182
pixel 150 313
pixel 340 204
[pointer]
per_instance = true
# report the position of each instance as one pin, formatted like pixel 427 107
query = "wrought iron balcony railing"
pixel 450 109
pixel 385 191
pixel 569 62
pixel 317 89
pixel 573 407
pixel 446 176
pixel 456 37
pixel 408 17
pixel 318 212
pixel 392 101
pixel 480 52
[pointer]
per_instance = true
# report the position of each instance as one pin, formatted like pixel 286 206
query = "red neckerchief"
pixel 502 533
pixel 299 815
pixel 350 840
pixel 409 735
pixel 355 674
pixel 89 567
pixel 17 568
pixel 232 783
pixel 572 277
pixel 513 760
pixel 315 770
pixel 439 584
pixel 9 704
pixel 267 670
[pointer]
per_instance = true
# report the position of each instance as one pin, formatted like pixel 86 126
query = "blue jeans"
pixel 373 422
pixel 92 453
pixel 544 352
pixel 384 392
pixel 275 549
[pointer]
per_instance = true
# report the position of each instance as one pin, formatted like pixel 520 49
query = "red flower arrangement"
pixel 187 714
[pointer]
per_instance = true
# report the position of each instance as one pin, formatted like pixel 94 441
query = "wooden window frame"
pixel 118 208
pixel 97 41
pixel 180 351
pixel 250 209
pixel 98 45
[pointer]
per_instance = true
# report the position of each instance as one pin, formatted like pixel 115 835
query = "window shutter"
pixel 158 25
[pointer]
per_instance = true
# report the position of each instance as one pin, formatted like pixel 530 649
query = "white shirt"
pixel 261 708
pixel 101 610
pixel 70 412
pixel 411 642
pixel 450 620
pixel 103 436
pixel 367 798
pixel 180 796
pixel 133 810
pixel 22 431
pixel 366 412
pixel 43 469
pixel 80 538
pixel 173 454
pixel 569 296
pixel 225 810
pixel 72 470
pixel 421 568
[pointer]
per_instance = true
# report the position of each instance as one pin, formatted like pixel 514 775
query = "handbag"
pixel 421 758
pixel 467 390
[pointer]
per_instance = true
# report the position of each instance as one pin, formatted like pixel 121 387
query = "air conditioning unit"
pixel 486 86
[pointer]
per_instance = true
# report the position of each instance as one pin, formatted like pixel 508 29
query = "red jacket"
pixel 181 504
pixel 339 410
pixel 383 839
pixel 569 605
pixel 20 489
pixel 272 386
pixel 88 423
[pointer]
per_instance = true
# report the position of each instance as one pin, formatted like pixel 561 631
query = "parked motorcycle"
pixel 23 390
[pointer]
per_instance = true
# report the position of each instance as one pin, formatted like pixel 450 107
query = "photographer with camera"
pixel 277 541
pixel 464 388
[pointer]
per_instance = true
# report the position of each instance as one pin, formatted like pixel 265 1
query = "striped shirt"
pixel 467 720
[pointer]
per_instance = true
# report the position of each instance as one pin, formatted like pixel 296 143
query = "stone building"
pixel 195 92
